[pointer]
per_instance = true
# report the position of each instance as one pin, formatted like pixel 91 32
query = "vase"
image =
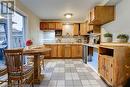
pixel 28 47
pixel 122 40
pixel 107 39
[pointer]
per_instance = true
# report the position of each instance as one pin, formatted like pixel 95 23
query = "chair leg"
pixel 33 80
pixel 9 82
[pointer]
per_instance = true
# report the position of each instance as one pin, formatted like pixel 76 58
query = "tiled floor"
pixel 69 73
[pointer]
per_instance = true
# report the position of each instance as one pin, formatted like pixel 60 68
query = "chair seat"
pixel 3 70
pixel 26 70
pixel 2 67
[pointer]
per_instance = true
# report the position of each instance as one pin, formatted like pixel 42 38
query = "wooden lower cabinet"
pixel 67 50
pixel 48 55
pixel 101 67
pixel 106 68
pixel 114 67
pixel 76 51
pixel 60 50
pixel 53 50
pixel 109 69
pixel 64 50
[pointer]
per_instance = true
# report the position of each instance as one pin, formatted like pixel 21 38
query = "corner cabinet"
pixel 112 64
pixel 100 15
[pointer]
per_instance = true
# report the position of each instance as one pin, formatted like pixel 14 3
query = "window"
pixel 18 26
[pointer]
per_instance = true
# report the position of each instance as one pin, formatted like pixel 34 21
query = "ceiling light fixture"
pixel 68 15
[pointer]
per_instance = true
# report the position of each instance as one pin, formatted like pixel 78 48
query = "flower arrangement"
pixel 29 42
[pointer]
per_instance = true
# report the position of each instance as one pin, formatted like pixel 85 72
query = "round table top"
pixel 35 51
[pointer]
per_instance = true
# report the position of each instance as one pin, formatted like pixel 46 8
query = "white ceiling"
pixel 55 9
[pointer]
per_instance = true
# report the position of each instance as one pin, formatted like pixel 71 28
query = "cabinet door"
pixel 101 63
pixel 48 54
pixel 109 70
pixel 67 51
pixel 74 50
pixel 53 50
pixel 79 51
pixel 58 26
pixel 83 29
pixel 44 25
pixel 60 51
pixel 76 29
pixel 52 26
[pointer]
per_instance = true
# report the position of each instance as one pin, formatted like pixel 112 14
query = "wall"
pixel 33 32
pixel 122 21
pixel 67 29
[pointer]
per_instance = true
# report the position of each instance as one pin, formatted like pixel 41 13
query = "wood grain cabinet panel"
pixel 53 50
pixel 67 52
pixel 80 51
pixel 48 55
pixel 100 15
pixel 52 25
pixel 83 29
pixel 59 26
pixel 76 51
pixel 44 26
pixel 76 29
pixel 101 65
pixel 112 64
pixel 60 51
pixel 109 70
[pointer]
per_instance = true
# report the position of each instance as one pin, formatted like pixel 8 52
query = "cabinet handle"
pixel 126 66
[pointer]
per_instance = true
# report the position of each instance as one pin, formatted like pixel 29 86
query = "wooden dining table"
pixel 37 52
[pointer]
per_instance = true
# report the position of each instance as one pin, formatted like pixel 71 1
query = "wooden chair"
pixel 18 73
pixel 3 74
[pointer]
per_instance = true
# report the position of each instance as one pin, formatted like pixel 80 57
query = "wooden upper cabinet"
pixel 59 26
pixel 95 28
pixel 52 25
pixel 101 15
pixel 44 25
pixel 83 29
pixel 76 29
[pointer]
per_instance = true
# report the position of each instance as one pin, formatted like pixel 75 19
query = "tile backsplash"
pixel 49 37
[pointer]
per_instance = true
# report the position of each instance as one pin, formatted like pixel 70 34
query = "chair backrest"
pixel 14 60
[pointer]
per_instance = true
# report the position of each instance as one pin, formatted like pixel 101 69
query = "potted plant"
pixel 122 38
pixel 108 37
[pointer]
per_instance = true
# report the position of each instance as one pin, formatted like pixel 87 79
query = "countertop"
pixel 115 44
pixel 91 45
pixel 94 45
pixel 63 43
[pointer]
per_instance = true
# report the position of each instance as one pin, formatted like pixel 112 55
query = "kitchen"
pixel 90 40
